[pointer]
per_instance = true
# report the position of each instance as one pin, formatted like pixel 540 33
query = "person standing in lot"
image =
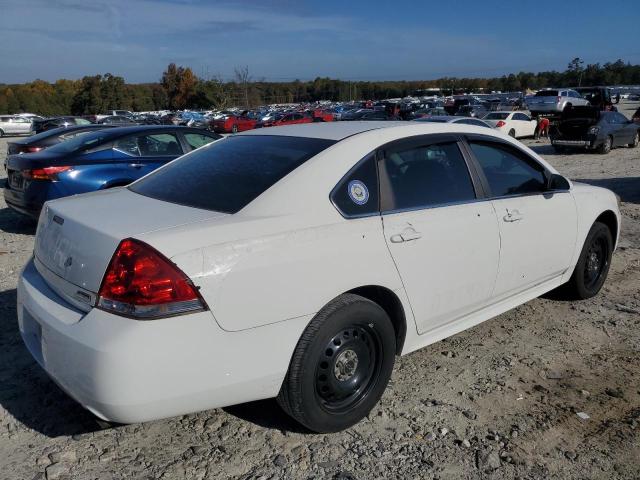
pixel 543 128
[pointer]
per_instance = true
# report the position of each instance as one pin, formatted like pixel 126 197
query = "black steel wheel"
pixel 593 265
pixel 348 368
pixel 341 365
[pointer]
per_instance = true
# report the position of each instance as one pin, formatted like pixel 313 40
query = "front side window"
pixel 521 116
pixel 160 144
pixel 357 192
pixel 507 170
pixel 426 176
pixel 228 175
pixel 197 140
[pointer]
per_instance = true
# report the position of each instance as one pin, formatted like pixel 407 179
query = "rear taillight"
pixel 559 99
pixel 32 149
pixel 142 283
pixel 46 173
pixel 500 124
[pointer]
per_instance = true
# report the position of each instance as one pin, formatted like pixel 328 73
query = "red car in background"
pixel 233 123
pixel 320 115
pixel 286 119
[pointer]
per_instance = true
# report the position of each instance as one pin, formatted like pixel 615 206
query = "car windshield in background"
pixel 229 174
pixel 547 93
pixel 496 116
pixel 80 142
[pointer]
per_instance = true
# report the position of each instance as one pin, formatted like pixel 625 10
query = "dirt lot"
pixel 497 401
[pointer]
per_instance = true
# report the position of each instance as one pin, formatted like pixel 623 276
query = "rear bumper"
pixel 15 200
pixel 130 371
pixel 587 142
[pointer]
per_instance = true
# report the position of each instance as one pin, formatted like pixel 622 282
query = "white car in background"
pixel 297 262
pixel 15 125
pixel 514 124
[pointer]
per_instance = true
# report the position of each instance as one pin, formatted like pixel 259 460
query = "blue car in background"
pixel 93 161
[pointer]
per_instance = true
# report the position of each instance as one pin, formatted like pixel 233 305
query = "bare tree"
pixel 243 78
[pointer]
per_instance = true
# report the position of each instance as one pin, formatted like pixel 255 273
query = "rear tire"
pixel 341 365
pixel 606 145
pixel 512 133
pixel 636 141
pixel 592 267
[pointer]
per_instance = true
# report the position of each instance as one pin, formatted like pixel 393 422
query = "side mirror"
pixel 557 182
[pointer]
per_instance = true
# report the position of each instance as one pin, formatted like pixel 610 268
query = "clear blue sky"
pixel 287 39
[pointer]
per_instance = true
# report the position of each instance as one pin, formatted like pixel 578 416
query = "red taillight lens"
pixel 46 173
pixel 141 282
pixel 500 124
pixel 33 149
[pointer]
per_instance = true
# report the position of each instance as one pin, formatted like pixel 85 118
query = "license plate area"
pixel 16 180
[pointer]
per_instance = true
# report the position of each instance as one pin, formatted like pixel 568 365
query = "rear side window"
pixel 547 93
pixel 507 170
pixel 426 176
pixel 357 192
pixel 227 175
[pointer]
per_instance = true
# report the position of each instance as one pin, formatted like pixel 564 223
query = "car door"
pixel 522 125
pixel 625 129
pixel 444 242
pixel 537 226
pixel 146 152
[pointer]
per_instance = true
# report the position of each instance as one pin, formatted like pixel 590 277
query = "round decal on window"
pixel 358 192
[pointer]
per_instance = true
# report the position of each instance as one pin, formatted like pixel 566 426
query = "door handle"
pixel 512 216
pixel 408 235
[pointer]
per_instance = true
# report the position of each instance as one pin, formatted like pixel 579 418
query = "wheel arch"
pixel 611 221
pixel 391 304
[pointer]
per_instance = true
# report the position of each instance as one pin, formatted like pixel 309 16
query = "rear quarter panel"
pixel 285 272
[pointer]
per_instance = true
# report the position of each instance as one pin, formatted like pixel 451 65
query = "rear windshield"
pixel 496 116
pixel 227 175
pixel 81 142
pixel 547 93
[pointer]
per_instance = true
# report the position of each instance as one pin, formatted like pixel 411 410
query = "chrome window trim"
pixel 470 202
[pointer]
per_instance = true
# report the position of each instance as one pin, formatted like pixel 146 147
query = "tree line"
pixel 179 88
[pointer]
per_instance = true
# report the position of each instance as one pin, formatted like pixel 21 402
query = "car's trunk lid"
pixel 76 238
pixel 576 121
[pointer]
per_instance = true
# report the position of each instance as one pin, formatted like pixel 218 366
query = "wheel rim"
pixel 348 368
pixel 597 261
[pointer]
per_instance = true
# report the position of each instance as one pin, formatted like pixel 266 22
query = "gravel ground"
pixel 502 400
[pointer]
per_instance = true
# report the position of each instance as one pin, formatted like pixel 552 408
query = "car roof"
pixel 325 130
pixel 116 131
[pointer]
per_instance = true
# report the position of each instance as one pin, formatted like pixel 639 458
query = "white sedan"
pixel 514 124
pixel 297 262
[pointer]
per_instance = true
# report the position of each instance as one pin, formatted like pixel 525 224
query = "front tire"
pixel 512 133
pixel 593 264
pixel 606 145
pixel 636 141
pixel 341 365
